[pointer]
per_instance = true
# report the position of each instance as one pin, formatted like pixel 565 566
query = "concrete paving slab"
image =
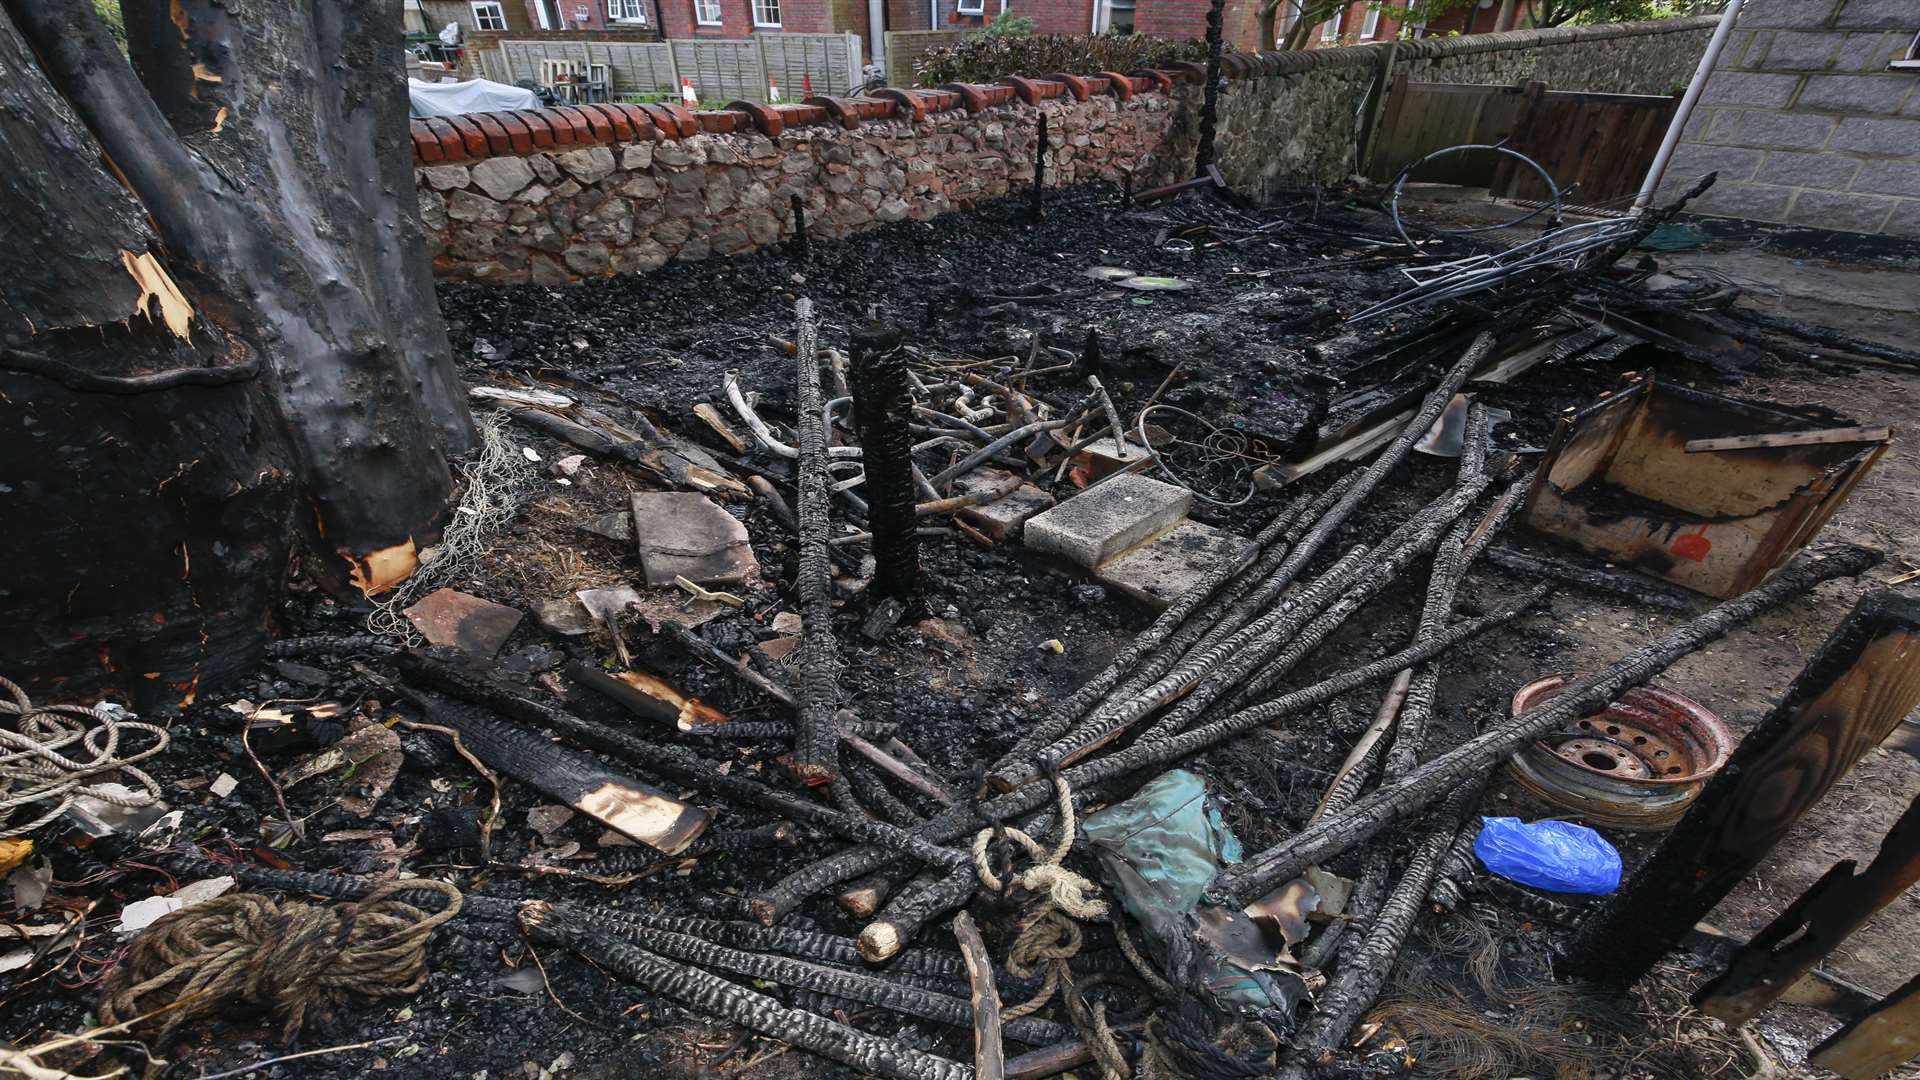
pixel 1107 519
pixel 684 534
pixel 1156 573
pixel 472 625
pixel 1005 516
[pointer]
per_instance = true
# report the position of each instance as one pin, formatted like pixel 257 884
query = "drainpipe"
pixel 933 14
pixel 1708 60
pixel 877 32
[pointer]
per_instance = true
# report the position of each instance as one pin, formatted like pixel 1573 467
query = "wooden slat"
pixel 1813 926
pixel 1879 1042
pixel 1792 438
pixel 1847 700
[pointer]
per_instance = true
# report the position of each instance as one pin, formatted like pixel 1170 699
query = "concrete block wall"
pixel 1806 123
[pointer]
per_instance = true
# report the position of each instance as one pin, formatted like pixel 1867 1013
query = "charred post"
pixel 1210 103
pixel 1040 148
pixel 882 409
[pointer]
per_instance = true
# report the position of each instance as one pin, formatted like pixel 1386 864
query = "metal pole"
pixel 1692 97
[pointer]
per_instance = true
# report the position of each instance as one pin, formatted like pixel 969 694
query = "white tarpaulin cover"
pixel 474 95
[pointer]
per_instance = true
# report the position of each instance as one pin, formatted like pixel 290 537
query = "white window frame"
pixel 484 10
pixel 970 7
pixel 760 11
pixel 622 11
pixel 1908 61
pixel 700 9
pixel 1330 30
pixel 1371 28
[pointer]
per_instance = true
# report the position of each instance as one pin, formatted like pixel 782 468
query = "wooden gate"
pixel 1597 147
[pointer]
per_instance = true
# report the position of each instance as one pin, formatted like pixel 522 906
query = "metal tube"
pixel 1715 46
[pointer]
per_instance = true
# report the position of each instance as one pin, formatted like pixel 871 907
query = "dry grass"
pixel 1479 1001
pixel 555 556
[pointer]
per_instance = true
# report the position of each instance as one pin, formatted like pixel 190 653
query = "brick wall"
pixel 1055 16
pixel 559 194
pixel 1806 124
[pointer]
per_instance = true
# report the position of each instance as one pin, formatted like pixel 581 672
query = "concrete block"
pixel 1794 168
pixel 1905 219
pixel 1870 51
pixel 1764 14
pixel 681 533
pixel 1758 202
pixel 1841 210
pixel 472 625
pixel 1745 49
pixel 1107 519
pixel 1007 515
pixel 1856 93
pixel 1104 457
pixel 1721 128
pixel 1879 15
pixel 1791 51
pixel 1895 138
pixel 1767 90
pixel 1731 162
pixel 1782 130
pixel 1888 176
pixel 1157 573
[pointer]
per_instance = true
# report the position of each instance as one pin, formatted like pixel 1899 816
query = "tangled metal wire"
pixel 53 754
pixel 493 484
pixel 1225 451
pixel 1565 247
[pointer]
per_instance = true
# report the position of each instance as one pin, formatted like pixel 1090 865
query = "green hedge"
pixel 985 57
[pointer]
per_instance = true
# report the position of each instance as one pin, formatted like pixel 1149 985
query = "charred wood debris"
pixel 887 445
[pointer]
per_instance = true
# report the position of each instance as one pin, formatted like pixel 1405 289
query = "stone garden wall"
pixel 554 195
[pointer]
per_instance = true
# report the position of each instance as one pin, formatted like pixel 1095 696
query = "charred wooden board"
pixel 615 800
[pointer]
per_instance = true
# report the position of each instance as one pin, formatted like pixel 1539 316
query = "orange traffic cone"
pixel 773 92
pixel 687 97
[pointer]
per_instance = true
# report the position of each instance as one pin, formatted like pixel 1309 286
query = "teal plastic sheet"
pixel 1158 851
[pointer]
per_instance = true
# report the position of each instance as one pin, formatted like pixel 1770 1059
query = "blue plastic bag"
pixel 1558 856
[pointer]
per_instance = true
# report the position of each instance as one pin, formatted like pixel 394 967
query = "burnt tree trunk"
pixel 220 347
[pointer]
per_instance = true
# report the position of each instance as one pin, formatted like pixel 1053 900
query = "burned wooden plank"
pixel 1814 925
pixel 989 1055
pixel 1819 437
pixel 648 695
pixel 614 799
pixel 1878 1043
pixel 1267 870
pixel 1864 680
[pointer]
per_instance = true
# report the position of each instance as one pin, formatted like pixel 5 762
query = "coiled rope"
pixel 1049 935
pixel 53 754
pixel 293 959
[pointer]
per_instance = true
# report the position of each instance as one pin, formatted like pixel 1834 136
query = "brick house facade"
pixel 688 18
pixel 1181 20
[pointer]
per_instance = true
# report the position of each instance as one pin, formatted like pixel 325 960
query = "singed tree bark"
pixel 219 346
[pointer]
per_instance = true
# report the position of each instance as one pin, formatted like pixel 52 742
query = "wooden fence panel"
pixel 1597 145
pixel 1423 117
pixel 721 70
